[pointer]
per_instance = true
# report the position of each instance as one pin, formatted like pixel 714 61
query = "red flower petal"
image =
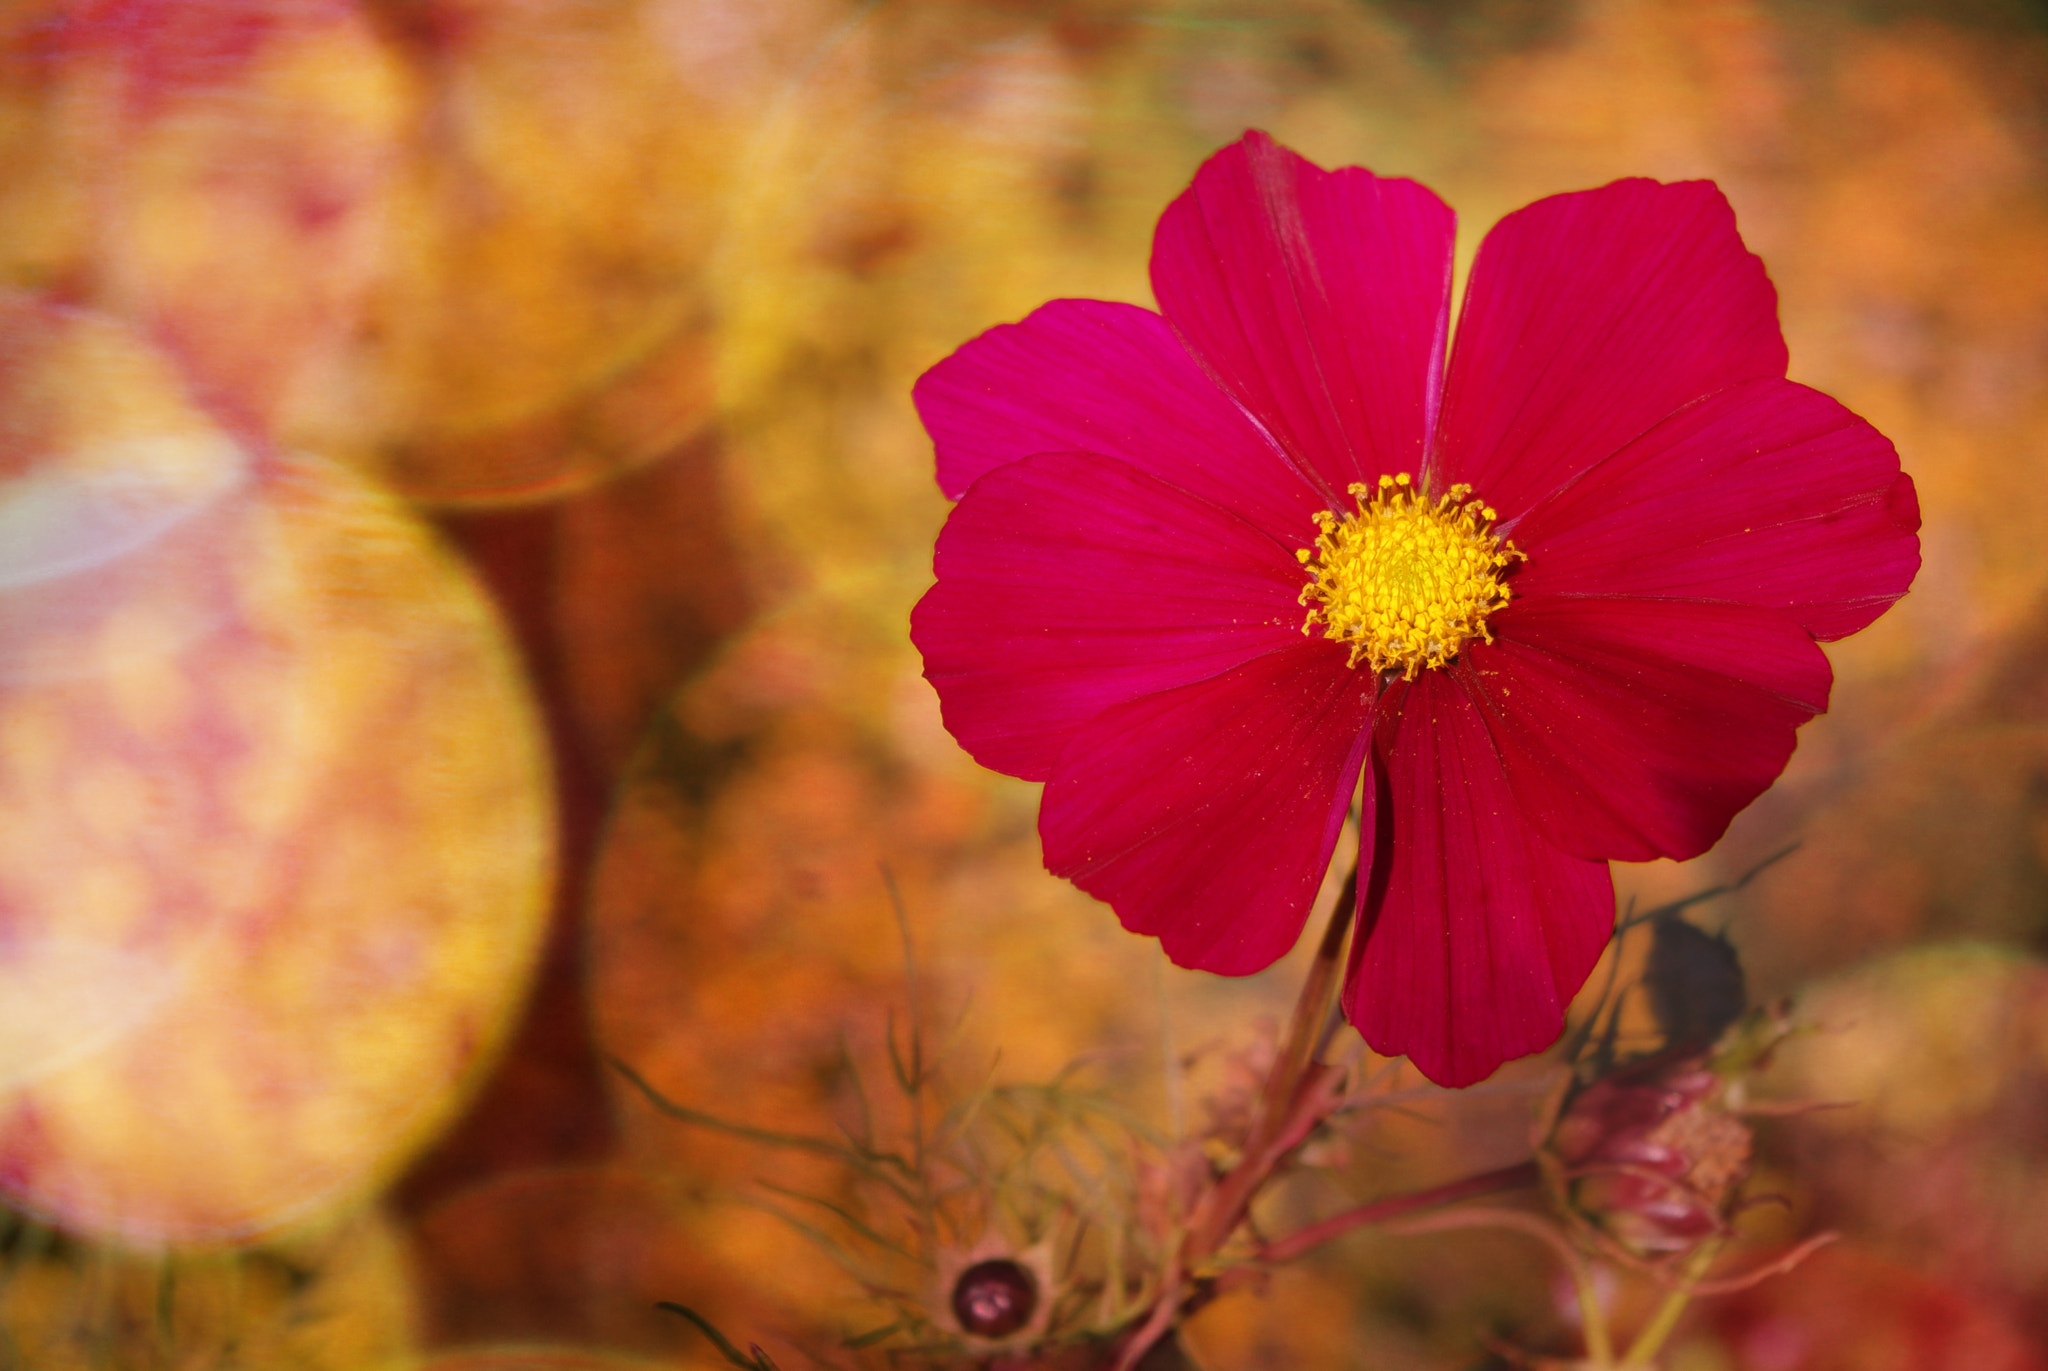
pixel 1206 815
pixel 1590 317
pixel 1092 376
pixel 1320 300
pixel 1068 583
pixel 1766 493
pixel 1475 933
pixel 1634 729
pixel 1125 625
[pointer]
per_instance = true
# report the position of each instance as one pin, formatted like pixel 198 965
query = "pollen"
pixel 1408 580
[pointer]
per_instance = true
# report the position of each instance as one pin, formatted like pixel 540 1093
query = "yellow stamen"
pixel 1406 581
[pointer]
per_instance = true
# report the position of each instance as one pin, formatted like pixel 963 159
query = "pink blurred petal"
pixel 1206 815
pixel 1766 493
pixel 1634 729
pixel 1475 933
pixel 173 48
pixel 1320 300
pixel 1093 376
pixel 1068 583
pixel 1589 318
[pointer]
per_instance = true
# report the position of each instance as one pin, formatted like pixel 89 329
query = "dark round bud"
pixel 1695 982
pixel 995 1298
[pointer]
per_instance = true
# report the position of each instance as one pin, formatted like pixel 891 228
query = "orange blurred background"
pixel 460 505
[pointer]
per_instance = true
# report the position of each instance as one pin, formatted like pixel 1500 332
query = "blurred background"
pixel 460 505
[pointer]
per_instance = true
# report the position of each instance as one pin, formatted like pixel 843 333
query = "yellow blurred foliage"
pixel 341 1300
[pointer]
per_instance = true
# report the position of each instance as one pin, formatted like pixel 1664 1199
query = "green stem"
pixel 1593 1318
pixel 1651 1339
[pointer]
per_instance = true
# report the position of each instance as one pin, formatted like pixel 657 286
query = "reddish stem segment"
pixel 1295 1098
pixel 1487 1183
pixel 1280 1123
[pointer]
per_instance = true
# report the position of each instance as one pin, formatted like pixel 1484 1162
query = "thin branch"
pixel 839 1211
pixel 1651 1340
pixel 1394 1206
pixel 1679 906
pixel 1728 1285
pixel 824 1147
pixel 758 1362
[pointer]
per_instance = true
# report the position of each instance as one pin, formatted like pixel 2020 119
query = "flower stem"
pixel 1220 1211
pixel 1592 1318
pixel 1297 1095
pixel 1393 1206
pixel 1311 1010
pixel 1651 1339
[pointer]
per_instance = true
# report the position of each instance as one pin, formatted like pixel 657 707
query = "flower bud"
pixel 993 1294
pixel 1652 1154
pixel 994 1298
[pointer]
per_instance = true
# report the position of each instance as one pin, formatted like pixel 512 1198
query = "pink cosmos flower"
pixel 1556 600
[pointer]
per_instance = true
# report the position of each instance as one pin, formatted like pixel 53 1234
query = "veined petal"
pixel 1474 932
pixel 1634 729
pixel 1766 493
pixel 1094 376
pixel 1589 318
pixel 1068 583
pixel 1318 299
pixel 1206 815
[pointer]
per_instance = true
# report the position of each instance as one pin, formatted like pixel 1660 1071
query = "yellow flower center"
pixel 1406 581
